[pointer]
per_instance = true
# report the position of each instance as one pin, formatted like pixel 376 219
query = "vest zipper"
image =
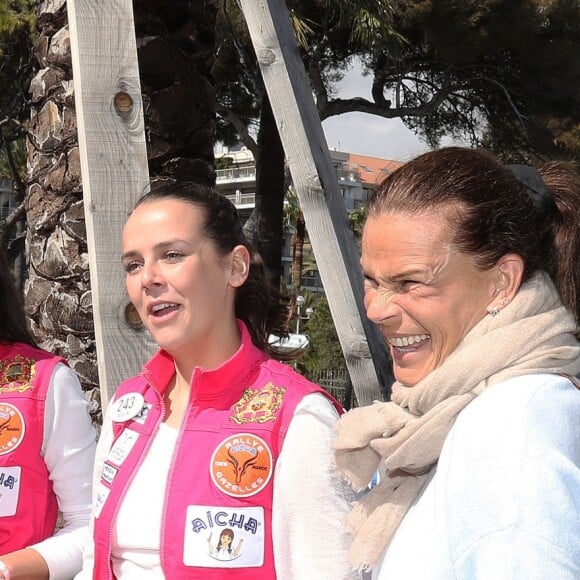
pixel 184 421
pixel 123 491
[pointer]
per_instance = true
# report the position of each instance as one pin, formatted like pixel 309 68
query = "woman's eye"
pixel 173 255
pixel 407 284
pixel 369 284
pixel 131 267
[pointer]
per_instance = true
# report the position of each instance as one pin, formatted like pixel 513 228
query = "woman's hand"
pixel 26 564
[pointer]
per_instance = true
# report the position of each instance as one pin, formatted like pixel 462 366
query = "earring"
pixel 493 310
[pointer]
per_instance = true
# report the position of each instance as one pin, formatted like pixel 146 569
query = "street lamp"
pixel 294 341
pixel 307 313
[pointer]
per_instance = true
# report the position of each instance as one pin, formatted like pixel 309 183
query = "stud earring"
pixel 493 310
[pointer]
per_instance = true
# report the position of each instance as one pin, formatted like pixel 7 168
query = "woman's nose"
pixel 380 305
pixel 150 275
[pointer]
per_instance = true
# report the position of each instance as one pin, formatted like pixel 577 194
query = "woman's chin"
pixel 409 377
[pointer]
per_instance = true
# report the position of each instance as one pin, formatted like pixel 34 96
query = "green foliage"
pixel 238 84
pixel 224 162
pixel 503 74
pixel 18 154
pixel 324 351
pixel 16 37
pixel 15 16
pixel 356 220
pixel 17 21
pixel 504 71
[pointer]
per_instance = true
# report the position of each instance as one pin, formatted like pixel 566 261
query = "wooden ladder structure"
pixel 115 174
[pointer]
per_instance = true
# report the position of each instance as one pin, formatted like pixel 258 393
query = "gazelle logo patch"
pixel 12 428
pixel 241 465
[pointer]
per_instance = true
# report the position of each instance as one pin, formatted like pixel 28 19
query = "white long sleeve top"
pixel 68 448
pixel 504 502
pixel 310 502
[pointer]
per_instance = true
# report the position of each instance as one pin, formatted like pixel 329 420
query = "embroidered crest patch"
pixel 258 405
pixel 16 374
pixel 241 465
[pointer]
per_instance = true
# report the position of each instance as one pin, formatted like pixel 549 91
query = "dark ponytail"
pixel 563 183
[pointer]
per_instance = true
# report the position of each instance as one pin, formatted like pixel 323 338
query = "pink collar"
pixel 210 384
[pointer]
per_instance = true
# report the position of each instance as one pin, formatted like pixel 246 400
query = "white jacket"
pixel 504 502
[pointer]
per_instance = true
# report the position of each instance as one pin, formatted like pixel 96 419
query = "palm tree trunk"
pixel 58 293
pixel 176 51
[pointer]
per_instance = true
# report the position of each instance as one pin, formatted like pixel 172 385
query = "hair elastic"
pixel 530 177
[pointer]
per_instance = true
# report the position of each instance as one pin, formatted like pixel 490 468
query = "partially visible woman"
pixel 216 461
pixel 472 272
pixel 47 448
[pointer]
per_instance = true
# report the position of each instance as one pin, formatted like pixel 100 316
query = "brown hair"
pixel 13 327
pixel 493 213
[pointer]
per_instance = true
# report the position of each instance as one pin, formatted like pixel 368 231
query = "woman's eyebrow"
pixel 157 247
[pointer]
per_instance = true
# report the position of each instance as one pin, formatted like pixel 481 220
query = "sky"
pixel 368 134
pixel 373 136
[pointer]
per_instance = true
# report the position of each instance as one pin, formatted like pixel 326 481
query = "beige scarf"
pixel 533 334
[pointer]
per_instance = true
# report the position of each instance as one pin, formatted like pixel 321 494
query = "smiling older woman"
pixel 472 273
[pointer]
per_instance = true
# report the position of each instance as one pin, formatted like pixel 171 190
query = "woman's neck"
pixel 210 354
pixel 176 400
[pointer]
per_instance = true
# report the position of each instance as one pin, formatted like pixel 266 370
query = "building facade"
pixel 6 198
pixel 357 176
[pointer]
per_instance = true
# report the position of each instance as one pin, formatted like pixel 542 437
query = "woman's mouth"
pixel 163 308
pixel 410 342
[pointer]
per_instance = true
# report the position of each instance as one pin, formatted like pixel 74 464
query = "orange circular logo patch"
pixel 241 465
pixel 11 428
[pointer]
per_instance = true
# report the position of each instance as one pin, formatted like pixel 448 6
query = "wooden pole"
pixel 316 184
pixel 114 170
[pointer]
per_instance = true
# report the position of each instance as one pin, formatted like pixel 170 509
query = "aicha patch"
pixel 12 428
pixel 224 537
pixel 16 374
pixel 258 405
pixel 241 465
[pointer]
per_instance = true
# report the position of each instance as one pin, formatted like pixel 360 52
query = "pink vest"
pixel 217 519
pixel 28 509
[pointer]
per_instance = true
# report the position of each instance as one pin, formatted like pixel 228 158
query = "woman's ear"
pixel 509 273
pixel 240 266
